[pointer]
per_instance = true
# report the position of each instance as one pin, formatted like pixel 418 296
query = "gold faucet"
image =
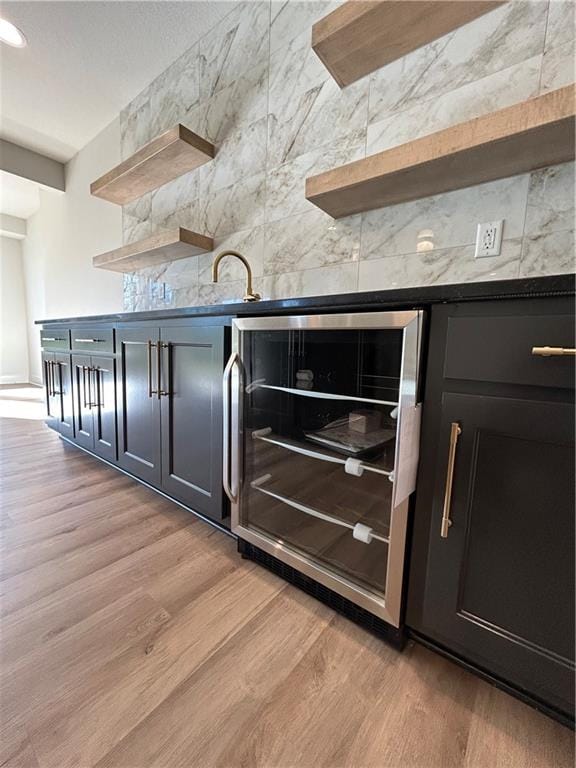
pixel 250 295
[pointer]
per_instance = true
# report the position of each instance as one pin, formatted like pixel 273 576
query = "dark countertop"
pixel 554 285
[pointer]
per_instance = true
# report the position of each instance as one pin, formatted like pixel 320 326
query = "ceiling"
pixel 86 60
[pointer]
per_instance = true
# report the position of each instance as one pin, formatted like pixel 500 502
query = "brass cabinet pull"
pixel 455 432
pixel 553 351
pixel 161 392
pixel 159 370
pixel 150 390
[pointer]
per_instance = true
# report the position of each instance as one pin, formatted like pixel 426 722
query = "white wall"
pixel 13 347
pixel 63 235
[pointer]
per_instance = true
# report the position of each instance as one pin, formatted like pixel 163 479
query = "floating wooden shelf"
pixel 359 37
pixel 161 160
pixel 517 139
pixel 169 245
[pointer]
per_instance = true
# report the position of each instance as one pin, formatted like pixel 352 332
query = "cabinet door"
pixel 63 383
pixel 52 406
pixel 138 403
pixel 104 410
pixel 500 585
pixel 192 365
pixel 83 399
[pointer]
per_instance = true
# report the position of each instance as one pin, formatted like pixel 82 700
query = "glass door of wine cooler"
pixel 321 446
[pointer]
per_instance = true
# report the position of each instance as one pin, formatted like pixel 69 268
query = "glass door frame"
pixel 410 322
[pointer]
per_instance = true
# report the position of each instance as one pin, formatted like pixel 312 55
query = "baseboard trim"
pixel 205 519
pixel 20 378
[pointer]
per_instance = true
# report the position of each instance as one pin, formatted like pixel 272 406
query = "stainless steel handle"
pixel 84 369
pixel 93 403
pixel 226 462
pixel 150 390
pixel 99 374
pixel 48 372
pixel 53 338
pixel 455 432
pixel 553 351
pixel 57 364
pixel 89 341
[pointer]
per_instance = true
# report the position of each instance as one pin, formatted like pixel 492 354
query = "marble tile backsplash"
pixel 254 87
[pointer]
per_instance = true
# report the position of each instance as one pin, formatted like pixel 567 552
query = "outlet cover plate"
pixel 489 239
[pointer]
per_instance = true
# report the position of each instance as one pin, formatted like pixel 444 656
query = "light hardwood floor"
pixel 134 636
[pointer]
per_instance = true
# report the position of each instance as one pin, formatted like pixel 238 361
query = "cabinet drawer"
pixel 499 349
pixel 95 340
pixel 58 338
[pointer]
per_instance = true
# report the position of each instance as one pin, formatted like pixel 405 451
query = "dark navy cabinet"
pixel 492 568
pixel 169 382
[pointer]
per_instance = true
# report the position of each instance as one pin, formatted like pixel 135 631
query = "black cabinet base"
pixel 393 636
pixel 518 693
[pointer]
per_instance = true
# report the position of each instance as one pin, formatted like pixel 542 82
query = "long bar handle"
pixel 159 347
pixel 53 338
pixel 85 341
pixel 99 374
pixel 84 369
pixel 94 403
pixel 226 463
pixel 455 432
pixel 553 351
pixel 48 371
pixel 89 372
pixel 150 390
pixel 57 364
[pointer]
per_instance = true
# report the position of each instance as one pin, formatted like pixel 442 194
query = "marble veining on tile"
pixel 444 221
pixel 548 254
pixel 230 209
pixel 310 240
pixel 558 67
pixel 254 87
pixel 174 93
pixel 497 40
pixel 550 200
pixel 233 46
pixel 560 28
pixel 496 91
pixel 291 19
pixel 285 194
pixel 451 265
pixel 241 103
pixel 307 108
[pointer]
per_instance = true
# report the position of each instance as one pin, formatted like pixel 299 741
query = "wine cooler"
pixel 321 439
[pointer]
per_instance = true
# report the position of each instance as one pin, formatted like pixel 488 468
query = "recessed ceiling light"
pixel 9 33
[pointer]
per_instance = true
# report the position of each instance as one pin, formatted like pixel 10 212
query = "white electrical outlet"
pixel 489 239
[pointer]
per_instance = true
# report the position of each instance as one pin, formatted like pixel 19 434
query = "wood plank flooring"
pixel 134 636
